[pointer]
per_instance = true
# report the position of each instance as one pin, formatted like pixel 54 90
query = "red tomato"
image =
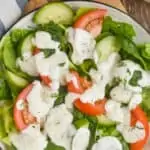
pixel 36 51
pixel 85 83
pixel 139 115
pixel 91 21
pixel 91 109
pixel 75 88
pixel 46 80
pixel 23 118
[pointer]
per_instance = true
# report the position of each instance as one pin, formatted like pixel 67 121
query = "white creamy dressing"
pixel 29 139
pixel 69 99
pixel 135 100
pixel 81 139
pixel 83 45
pixel 108 143
pixel 114 111
pixel 20 104
pixel 28 66
pixel 40 100
pixel 43 40
pixel 52 67
pixel 121 94
pixel 132 134
pixel 27 55
pixel 125 72
pixel 101 78
pixel 57 126
pixel 71 78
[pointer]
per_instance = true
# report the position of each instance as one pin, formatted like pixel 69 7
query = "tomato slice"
pixel 71 85
pixel 46 80
pixel 20 116
pixel 85 83
pixel 139 115
pixel 35 51
pixel 91 109
pixel 81 83
pixel 91 21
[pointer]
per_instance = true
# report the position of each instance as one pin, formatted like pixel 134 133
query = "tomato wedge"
pixel 91 21
pixel 35 51
pixel 139 115
pixel 46 80
pixel 22 117
pixel 81 83
pixel 91 109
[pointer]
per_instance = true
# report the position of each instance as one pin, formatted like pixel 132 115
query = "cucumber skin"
pixel 15 85
pixel 20 49
pixel 36 20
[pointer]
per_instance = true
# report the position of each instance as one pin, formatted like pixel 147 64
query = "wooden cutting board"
pixel 32 4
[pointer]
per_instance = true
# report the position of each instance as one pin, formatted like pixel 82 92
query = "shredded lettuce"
pixel 60 98
pixel 146 101
pixel 52 146
pixel 6 122
pixel 118 28
pixel 56 30
pixel 146 51
pixel 17 35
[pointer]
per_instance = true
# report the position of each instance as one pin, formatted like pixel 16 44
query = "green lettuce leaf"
pixel 118 28
pixel 145 51
pixel 17 35
pixel 57 31
pixel 52 146
pixel 60 98
pixel 7 123
pixel 146 101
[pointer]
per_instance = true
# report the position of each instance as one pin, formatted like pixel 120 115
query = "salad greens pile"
pixel 115 36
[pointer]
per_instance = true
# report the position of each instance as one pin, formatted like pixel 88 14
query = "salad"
pixel 74 81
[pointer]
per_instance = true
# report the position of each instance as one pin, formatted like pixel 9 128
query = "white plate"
pixel 142 34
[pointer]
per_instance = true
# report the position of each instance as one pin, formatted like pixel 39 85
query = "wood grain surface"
pixel 138 9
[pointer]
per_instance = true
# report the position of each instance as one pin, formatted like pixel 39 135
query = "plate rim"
pixel 75 1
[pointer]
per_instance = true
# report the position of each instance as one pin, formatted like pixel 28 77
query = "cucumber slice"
pixel 106 46
pixel 81 123
pixel 56 11
pixel 26 45
pixel 15 81
pixel 9 58
pixel 104 121
pixel 9 55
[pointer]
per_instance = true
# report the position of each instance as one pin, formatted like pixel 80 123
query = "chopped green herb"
pixel 115 82
pixel 137 75
pixel 48 52
pixel 61 96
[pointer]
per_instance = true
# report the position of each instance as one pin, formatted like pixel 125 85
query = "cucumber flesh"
pixel 81 123
pixel 56 11
pixel 9 58
pixel 104 121
pixel 106 46
pixel 26 45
